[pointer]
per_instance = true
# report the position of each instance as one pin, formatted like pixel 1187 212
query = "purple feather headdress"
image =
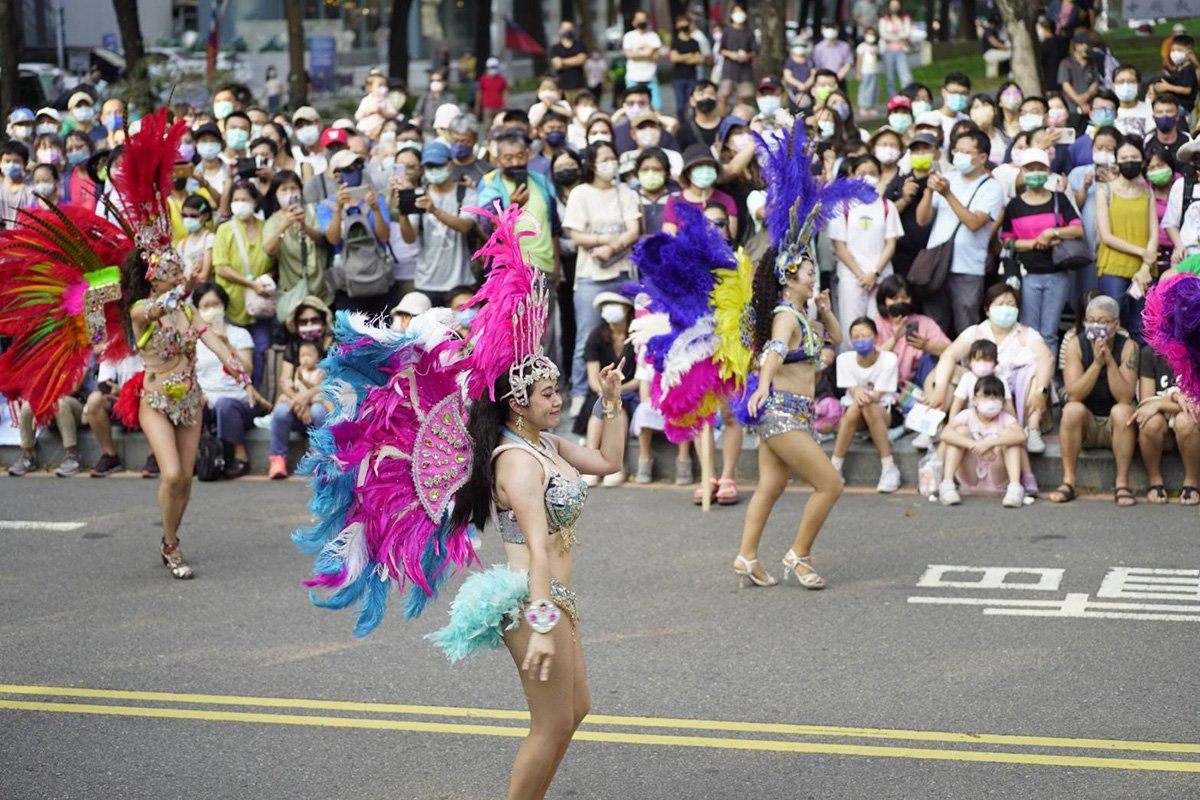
pixel 1171 325
pixel 513 307
pixel 799 205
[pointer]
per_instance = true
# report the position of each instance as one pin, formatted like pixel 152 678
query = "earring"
pixel 520 423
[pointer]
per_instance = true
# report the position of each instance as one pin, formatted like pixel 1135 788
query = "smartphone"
pixel 262 161
pixel 246 167
pixel 406 201
pixel 519 175
pixel 356 194
pixel 1065 135
pixel 910 329
pixel 184 169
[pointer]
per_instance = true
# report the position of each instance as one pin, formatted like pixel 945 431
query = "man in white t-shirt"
pixel 1134 115
pixel 1183 227
pixel 963 205
pixel 642 48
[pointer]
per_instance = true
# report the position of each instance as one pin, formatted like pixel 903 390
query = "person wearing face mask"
pixel 1164 422
pixel 298 407
pixel 295 242
pixel 900 116
pixel 603 218
pixel 211 172
pixel 599 129
pixel 553 134
pixel 1179 73
pixel 825 83
pixel 1160 172
pixel 1100 373
pixel 1135 117
pixel 608 343
pixel 686 57
pixel 550 98
pixel 961 207
pixel 242 265
pixel 15 191
pixel 869 377
pixel 306 127
pixel 833 53
pixel 702 124
pixel 441 227
pixel 567 58
pixel 637 101
pixel 82 111
pixel 956 93
pixel 491 95
pixel 47 122
pixel 1084 181
pixel 982 448
pixel 1103 115
pixel 895 31
pixel 654 187
pixel 864 238
pixel 1032 114
pixel 48 149
pixel 1127 225
pixel 887 146
pixel 196 248
pixel 700 172
pixel 738 49
pixel 642 48
pixel 867 68
pixel 463 136
pixel 113 116
pixel 20 125
pixel 1024 363
pixel 1167 130
pixel 984 114
pixel 1079 75
pixel 768 100
pixel 799 75
pixel 1008 99
pixel 905 191
pixel 224 103
pixel 78 187
pixel 237 135
pixel 648 134
pixel 43 180
pixel 1034 221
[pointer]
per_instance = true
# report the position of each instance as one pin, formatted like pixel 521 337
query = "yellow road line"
pixel 764 745
pixel 727 726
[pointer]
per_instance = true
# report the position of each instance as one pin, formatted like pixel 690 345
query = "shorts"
pixel 785 412
pixel 744 88
pixel 1098 434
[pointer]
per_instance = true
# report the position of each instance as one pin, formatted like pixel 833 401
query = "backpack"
pixel 210 457
pixel 363 268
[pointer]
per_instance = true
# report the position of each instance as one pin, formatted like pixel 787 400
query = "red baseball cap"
pixel 335 136
pixel 900 101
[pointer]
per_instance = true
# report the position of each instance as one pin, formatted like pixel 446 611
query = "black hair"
pixel 238 115
pixel 1110 131
pixel 47 139
pixel 80 137
pixel 1029 98
pixel 250 188
pixel 14 148
pixel 1132 141
pixel 554 116
pixel 197 202
pixel 982 143
pixel 1183 40
pixel 824 73
pixel 1158 150
pixel 473 502
pixel 870 323
pixel 655 153
pixel 1137 73
pixel 912 89
pixel 989 386
pixel 889 288
pixel 548 77
pixel 961 78
pixel 766 296
pixel 854 162
pixel 983 350
pixel 1165 97
pixel 589 158
pixel 215 288
pixel 998 290
pixel 1107 94
pixel 635 88
pixel 584 94
pixel 462 288
pixel 270 144
pixel 512 115
pixel 134 284
pixel 705 84
pixel 310 343
pixel 53 170
pixel 279 130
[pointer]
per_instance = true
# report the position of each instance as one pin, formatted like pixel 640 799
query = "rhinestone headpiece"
pixel 529 325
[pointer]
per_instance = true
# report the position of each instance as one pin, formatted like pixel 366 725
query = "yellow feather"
pixel 732 303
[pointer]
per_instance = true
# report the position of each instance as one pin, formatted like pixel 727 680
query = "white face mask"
pixel 612 313
pixel 242 209
pixel 648 137
pixel 870 180
pixel 989 408
pixel 887 155
pixel 829 34
pixel 212 314
pixel 607 170
pixel 1104 158
pixel 287 199
pixel 738 18
pixel 44 189
pixel 584 113
pixel 436 86
pixel 1030 122
pixel 307 135
pixel 599 137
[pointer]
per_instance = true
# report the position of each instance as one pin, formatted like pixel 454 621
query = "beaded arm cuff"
pixel 542 616
pixel 773 346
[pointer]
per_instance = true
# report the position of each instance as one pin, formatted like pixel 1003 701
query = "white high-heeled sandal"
pixel 744 568
pixel 810 579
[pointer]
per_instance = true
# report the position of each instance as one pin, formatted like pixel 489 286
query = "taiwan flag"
pixel 518 39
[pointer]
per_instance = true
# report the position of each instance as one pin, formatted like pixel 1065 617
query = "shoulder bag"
pixel 1069 253
pixel 257 306
pixel 931 267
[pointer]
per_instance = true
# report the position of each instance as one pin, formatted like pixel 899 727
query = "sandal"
pixel 698 495
pixel 727 493
pixel 1189 496
pixel 809 579
pixel 173 560
pixel 1065 493
pixel 1156 494
pixel 1122 494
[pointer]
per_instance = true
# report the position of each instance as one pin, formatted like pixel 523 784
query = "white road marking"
pixel 32 525
pixel 1074 605
pixel 1048 580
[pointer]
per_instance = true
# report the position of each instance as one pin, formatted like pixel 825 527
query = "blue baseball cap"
pixel 20 114
pixel 435 153
pixel 728 124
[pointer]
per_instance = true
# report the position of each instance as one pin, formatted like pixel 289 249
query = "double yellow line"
pixel 1037 750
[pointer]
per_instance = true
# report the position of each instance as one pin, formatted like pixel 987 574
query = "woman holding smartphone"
pixel 293 240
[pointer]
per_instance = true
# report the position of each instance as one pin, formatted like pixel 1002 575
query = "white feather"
pixel 645 328
pixel 350 548
pixel 692 346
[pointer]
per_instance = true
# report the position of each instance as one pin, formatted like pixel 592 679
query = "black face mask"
pixel 1130 169
pixel 706 106
pixel 641 26
pixel 567 177
pixel 180 184
pixel 900 309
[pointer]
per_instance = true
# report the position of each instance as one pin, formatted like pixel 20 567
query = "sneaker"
pixel 616 479
pixel 948 494
pixel 69 467
pixel 923 441
pixel 107 465
pixel 150 469
pixel 1015 496
pixel 889 481
pixel 263 423
pixel 576 406
pixel 683 472
pixel 591 480
pixel 645 473
pixel 1033 441
pixel 278 469
pixel 22 465
pixel 236 468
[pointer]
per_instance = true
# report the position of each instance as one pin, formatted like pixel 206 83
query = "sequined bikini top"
pixel 564 496
pixel 810 345
pixel 166 342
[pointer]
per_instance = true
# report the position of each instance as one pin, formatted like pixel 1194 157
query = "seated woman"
pixel 225 398
pixel 983 447
pixel 298 406
pixel 869 378
pixel 608 344
pixel 1164 423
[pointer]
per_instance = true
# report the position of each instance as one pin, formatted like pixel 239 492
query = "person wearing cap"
pixel 1032 228
pixel 47 122
pixel 1182 218
pixel 15 191
pixel 492 93
pixel 427 106
pixel 699 174
pixel 900 115
pixel 798 74
pixel 963 206
pixel 297 408
pixel 686 57
pixel 607 343
pixel 441 227
pixel 212 172
pixel 306 127
pixel 648 134
pixel 769 98
pixel 348 169
pixel 636 101
pixel 700 124
pixel 1079 75
pixel 81 110
pixel 375 108
pixel 323 184
pixel 413 304
pixel 20 125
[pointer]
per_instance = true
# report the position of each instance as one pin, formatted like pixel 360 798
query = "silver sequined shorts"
pixel 785 412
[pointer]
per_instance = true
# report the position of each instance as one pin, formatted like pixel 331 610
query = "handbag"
pixel 257 305
pixel 931 267
pixel 287 301
pixel 1069 253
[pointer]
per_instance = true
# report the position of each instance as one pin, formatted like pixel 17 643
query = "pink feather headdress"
pixel 506 335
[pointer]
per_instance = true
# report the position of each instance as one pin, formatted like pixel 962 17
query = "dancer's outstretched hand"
pixel 611 378
pixel 539 657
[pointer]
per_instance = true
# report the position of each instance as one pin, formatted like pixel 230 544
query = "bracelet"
pixel 607 411
pixel 542 616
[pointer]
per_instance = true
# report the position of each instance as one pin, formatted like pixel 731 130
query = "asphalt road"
pixel 119 682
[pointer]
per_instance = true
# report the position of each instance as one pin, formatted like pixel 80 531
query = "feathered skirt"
pixel 489 604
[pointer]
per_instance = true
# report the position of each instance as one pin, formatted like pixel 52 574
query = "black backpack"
pixel 210 457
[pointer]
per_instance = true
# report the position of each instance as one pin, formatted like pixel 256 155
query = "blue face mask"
pixel 864 347
pixel 555 139
pixel 237 138
pixel 465 316
pixel 351 177
pixel 114 122
pixel 13 171
pixel 461 152
pixel 77 157
pixel 957 102
pixel 1103 116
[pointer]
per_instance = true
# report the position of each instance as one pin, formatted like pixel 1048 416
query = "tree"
pixel 583 18
pixel 398 40
pixel 10 44
pixel 774 37
pixel 297 75
pixel 1020 17
pixel 140 92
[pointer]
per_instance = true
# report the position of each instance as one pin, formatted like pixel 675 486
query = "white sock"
pixel 888 463
pixel 837 461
